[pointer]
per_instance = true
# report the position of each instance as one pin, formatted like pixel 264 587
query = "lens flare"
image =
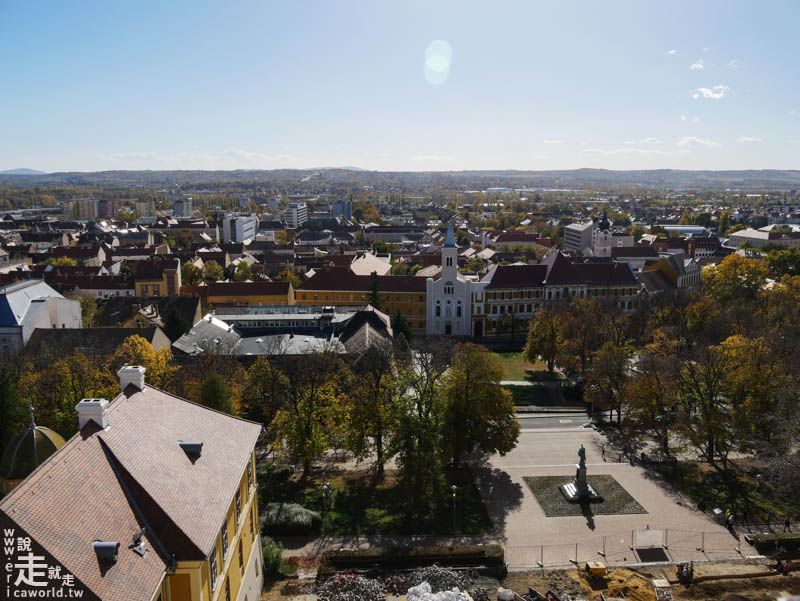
pixel 438 56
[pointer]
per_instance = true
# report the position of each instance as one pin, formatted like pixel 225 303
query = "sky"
pixel 399 85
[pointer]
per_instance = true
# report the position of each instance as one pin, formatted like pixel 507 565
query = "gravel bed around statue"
pixel 441 579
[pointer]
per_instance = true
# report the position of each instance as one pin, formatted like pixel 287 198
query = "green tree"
pixel 215 394
pixel 371 406
pixel 784 262
pixel 213 272
pixel 607 383
pixel 191 274
pixel 479 413
pixel 724 222
pixel 374 291
pixel 13 414
pixel 289 276
pixel 88 308
pixel 243 272
pixel 307 423
pixel 61 262
pixel 176 324
pixel 543 340
pixel 400 326
pixel 264 392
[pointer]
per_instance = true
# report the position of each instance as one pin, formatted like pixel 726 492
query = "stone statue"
pixel 582 456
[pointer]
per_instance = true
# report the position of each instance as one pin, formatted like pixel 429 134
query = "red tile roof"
pixel 342 279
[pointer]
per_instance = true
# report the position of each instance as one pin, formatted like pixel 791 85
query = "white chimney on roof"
pixel 93 410
pixel 131 374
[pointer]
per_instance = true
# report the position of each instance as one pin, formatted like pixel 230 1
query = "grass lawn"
pixel 360 506
pixel 514 365
pixel 616 500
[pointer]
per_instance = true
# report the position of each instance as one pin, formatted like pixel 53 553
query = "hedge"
pixel 491 557
pixel 289 519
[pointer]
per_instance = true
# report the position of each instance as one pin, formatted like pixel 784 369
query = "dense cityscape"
pixel 432 300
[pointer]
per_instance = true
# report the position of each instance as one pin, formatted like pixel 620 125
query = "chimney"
pixel 131 374
pixel 93 410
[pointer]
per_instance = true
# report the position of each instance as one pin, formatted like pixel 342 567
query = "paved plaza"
pixel 531 537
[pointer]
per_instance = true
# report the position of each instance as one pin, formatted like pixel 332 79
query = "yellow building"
pixel 153 500
pixel 339 286
pixel 242 293
pixel 157 277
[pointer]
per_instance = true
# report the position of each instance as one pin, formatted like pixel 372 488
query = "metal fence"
pixel 631 548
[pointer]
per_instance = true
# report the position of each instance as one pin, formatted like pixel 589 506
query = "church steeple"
pixel 450 255
pixel 450 239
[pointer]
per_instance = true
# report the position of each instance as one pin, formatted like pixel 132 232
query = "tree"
pixel 579 333
pixel 736 279
pixel 61 262
pixel 215 394
pixel 374 291
pixel 371 410
pixel 185 239
pixel 307 422
pixel 543 340
pixel 479 413
pixel 607 383
pixel 191 274
pixel 400 327
pixel 13 414
pixel 213 272
pixel 243 272
pixel 707 422
pixel 418 439
pixel 88 308
pixel 652 394
pixel 264 392
pixel 176 324
pixel 724 222
pixel 784 262
pixel 288 276
pixel 136 350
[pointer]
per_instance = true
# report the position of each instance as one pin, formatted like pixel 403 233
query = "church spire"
pixel 450 239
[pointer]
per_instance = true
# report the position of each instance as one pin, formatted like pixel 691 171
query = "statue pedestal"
pixel 579 489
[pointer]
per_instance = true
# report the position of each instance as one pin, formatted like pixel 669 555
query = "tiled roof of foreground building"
pixel 105 484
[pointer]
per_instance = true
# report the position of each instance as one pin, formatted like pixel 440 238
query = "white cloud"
pixel 749 140
pixel 793 112
pixel 690 141
pixel 733 64
pixel 793 141
pixel 714 93
pixel 692 119
pixel 584 143
pixel 650 141
pixel 672 52
pixel 629 142
pixel 706 49
pixel 697 65
pixel 552 141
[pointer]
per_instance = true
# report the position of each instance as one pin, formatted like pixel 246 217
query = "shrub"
pixel 289 519
pixel 271 551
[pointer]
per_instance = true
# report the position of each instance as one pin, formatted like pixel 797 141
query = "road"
pixel 547 421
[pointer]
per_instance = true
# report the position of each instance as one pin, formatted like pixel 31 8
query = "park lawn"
pixel 514 365
pixel 361 506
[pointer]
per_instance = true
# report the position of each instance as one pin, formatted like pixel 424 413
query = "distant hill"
pixel 345 180
pixel 22 171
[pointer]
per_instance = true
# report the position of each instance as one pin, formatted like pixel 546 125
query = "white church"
pixel 452 297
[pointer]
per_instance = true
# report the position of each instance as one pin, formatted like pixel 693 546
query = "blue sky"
pixel 401 85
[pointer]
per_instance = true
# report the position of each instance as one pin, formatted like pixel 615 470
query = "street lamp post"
pixel 454 490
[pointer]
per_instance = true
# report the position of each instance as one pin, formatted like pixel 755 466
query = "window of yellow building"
pixel 224 535
pixel 212 562
pixel 238 505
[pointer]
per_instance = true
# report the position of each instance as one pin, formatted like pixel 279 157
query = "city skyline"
pixel 409 87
